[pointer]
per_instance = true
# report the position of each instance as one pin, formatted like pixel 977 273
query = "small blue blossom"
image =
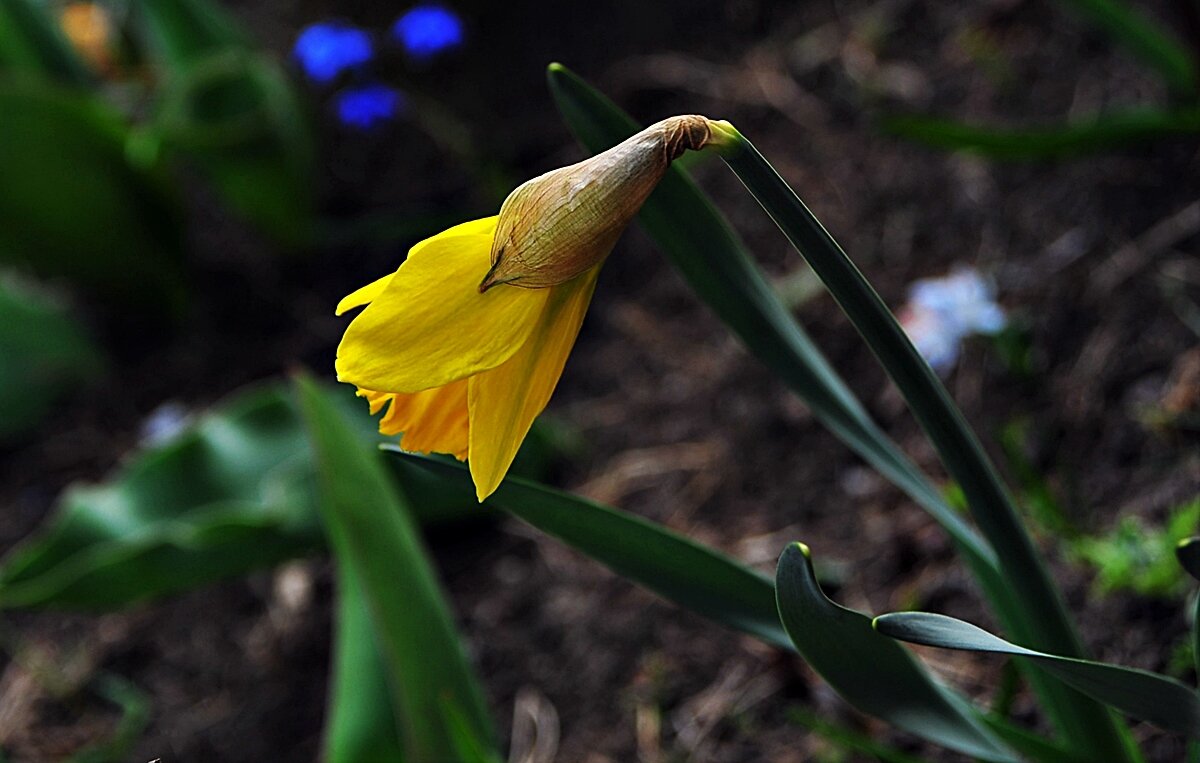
pixel 426 30
pixel 365 106
pixel 941 312
pixel 328 49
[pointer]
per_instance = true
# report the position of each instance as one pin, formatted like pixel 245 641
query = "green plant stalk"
pixel 1089 726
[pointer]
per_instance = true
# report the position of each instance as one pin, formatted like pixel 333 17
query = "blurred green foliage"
pixel 90 191
pixel 1139 557
pixel 44 354
pixel 1151 42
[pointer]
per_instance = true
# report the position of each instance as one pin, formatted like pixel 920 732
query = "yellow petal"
pixel 371 291
pixel 363 296
pixel 433 421
pixel 430 326
pixel 504 401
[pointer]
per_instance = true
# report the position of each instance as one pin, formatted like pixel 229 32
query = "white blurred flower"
pixel 941 312
pixel 163 424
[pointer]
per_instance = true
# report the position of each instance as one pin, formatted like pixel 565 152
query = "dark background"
pixel 673 420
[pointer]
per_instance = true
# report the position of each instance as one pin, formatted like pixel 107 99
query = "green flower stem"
pixel 1088 725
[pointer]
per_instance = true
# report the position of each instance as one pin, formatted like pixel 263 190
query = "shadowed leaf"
pixel 44 355
pixel 1142 694
pixel 373 533
pixel 872 673
pixel 1089 136
pixel 668 564
pixel 225 496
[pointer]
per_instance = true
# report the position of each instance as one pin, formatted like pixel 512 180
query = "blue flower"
pixel 326 50
pixel 366 105
pixel 426 30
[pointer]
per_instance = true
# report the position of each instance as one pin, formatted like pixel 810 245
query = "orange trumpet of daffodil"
pixel 466 341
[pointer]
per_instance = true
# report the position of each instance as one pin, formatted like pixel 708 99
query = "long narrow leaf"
pixel 1140 693
pixel 362 721
pixel 1099 133
pixel 1145 39
pixel 1087 724
pixel 873 673
pixel 668 564
pixel 713 260
pixel 711 257
pixel 1188 554
pixel 372 531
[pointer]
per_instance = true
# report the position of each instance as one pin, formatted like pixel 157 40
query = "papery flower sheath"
pixel 466 341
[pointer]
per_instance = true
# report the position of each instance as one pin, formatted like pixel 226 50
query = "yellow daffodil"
pixel 466 341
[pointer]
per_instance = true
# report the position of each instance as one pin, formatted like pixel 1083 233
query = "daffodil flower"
pixel 466 341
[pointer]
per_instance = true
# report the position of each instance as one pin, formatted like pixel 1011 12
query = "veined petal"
pixel 364 295
pixel 430 326
pixel 371 291
pixel 432 421
pixel 504 401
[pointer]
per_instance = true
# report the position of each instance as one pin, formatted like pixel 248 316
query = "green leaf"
pixel 708 253
pixel 114 227
pixel 32 45
pixel 234 113
pixel 44 355
pixel 670 565
pixel 872 673
pixel 1140 693
pixel 1099 133
pixel 1188 553
pixel 1037 611
pixel 228 495
pixel 362 719
pixel 1145 38
pixel 373 532
pixel 713 260
pixel 183 32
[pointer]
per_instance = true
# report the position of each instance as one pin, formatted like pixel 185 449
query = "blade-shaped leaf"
pixel 1145 39
pixel 869 671
pixel 709 255
pixel 713 260
pixel 226 496
pixel 1188 554
pixel 1099 133
pixel 371 529
pixel 44 354
pixel 1036 609
pixel 362 720
pixel 668 564
pixel 1140 693
pixel 114 227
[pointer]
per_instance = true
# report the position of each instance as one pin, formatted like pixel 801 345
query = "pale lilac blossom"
pixel 941 312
